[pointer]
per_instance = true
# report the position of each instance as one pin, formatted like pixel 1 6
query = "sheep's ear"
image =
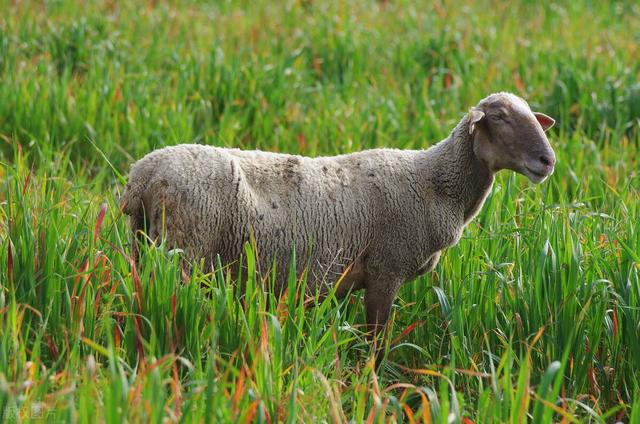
pixel 546 122
pixel 475 116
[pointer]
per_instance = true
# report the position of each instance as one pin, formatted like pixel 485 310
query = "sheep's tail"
pixel 131 204
pixel 131 200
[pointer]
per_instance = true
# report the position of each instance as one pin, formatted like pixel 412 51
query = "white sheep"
pixel 378 218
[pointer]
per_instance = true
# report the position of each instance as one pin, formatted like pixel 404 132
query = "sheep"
pixel 372 219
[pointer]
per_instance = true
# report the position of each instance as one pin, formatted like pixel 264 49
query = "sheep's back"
pixel 331 209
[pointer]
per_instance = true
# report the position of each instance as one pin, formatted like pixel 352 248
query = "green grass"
pixel 533 316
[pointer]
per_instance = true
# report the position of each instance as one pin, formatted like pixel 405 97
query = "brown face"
pixel 508 135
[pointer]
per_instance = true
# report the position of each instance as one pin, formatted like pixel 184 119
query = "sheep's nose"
pixel 547 160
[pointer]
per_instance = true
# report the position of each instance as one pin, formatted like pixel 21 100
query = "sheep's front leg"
pixel 431 263
pixel 378 305
pixel 378 299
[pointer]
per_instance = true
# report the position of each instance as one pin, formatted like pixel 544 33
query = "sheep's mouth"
pixel 537 173
pixel 536 176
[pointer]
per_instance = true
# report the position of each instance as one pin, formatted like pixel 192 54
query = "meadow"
pixel 534 316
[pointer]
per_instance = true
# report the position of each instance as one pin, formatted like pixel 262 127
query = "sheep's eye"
pixel 497 117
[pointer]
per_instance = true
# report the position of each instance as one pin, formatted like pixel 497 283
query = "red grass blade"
pixel 406 331
pixel 99 220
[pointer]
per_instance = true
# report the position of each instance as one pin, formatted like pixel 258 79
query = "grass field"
pixel 534 316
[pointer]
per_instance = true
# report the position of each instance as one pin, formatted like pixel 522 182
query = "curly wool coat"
pixel 382 215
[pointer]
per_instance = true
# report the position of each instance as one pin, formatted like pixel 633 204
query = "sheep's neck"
pixel 457 173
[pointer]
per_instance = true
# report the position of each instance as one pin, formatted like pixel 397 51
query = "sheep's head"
pixel 508 135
